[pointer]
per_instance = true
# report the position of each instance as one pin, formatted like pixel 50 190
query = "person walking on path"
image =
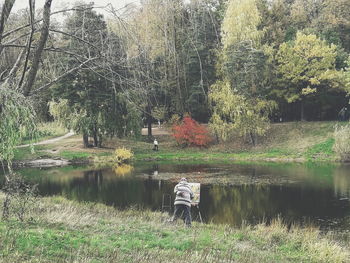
pixel 155 144
pixel 182 203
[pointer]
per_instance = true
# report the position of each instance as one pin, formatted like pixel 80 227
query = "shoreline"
pixel 57 161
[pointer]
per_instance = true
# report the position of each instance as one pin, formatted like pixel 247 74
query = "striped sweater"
pixel 183 193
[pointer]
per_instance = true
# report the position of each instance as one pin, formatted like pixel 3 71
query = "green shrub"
pixel 342 142
pixel 123 155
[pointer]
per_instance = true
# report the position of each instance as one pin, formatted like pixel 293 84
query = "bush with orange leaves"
pixel 191 133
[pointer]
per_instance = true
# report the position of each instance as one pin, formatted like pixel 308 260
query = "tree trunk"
pixel 6 207
pixel 5 12
pixel 85 140
pixel 253 138
pixel 149 121
pixel 40 47
pixel 302 114
pixel 99 145
pixel 95 137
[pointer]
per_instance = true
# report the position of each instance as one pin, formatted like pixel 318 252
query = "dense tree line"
pixel 237 64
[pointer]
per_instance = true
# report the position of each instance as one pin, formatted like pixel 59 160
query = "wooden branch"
pixel 53 13
pixel 5 12
pixel 15 67
pixel 73 36
pixel 29 41
pixel 15 39
pixel 62 76
pixel 2 75
pixel 37 55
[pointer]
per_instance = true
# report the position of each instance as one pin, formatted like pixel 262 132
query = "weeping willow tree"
pixel 17 120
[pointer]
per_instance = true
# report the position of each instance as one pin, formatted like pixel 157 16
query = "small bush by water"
pixel 68 231
pixel 123 155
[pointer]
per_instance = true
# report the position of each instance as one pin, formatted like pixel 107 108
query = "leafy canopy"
pixel 240 23
pixel 307 66
pixel 233 112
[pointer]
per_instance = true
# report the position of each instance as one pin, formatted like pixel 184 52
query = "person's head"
pixel 183 179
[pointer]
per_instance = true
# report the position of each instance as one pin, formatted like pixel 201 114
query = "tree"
pixel 233 112
pixel 238 100
pixel 172 46
pixel 246 68
pixel 335 21
pixel 241 22
pixel 92 93
pixel 307 68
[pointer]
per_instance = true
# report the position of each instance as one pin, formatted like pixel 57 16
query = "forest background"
pixel 237 65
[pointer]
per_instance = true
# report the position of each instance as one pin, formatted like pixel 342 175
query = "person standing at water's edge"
pixel 182 203
pixel 155 144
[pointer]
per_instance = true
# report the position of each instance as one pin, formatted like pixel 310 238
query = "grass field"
pixel 59 230
pixel 293 141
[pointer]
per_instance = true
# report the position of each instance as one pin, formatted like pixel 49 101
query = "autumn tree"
pixel 233 113
pixel 307 68
pixel 239 99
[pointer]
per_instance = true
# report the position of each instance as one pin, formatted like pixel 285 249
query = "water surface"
pixel 230 193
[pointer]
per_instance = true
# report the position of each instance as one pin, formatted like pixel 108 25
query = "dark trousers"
pixel 155 148
pixel 185 212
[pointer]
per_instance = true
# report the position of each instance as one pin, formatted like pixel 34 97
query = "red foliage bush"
pixel 191 133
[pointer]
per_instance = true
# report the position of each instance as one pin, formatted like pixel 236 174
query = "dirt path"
pixel 49 141
pixel 156 131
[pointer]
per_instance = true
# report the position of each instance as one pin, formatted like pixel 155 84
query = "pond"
pixel 230 193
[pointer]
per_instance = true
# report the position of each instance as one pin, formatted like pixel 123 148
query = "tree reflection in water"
pixel 230 193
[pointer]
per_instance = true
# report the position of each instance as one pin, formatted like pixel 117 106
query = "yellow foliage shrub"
pixel 123 155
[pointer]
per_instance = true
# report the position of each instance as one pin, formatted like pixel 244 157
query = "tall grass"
pixel 342 142
pixel 68 231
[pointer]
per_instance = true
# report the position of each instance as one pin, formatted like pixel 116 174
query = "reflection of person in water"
pixel 155 169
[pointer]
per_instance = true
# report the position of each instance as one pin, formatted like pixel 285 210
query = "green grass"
pixel 70 155
pixel 68 231
pixel 29 152
pixel 323 150
pixel 285 142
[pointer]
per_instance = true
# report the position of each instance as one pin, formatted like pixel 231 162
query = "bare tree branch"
pixel 73 36
pixel 78 8
pixel 62 76
pixel 2 75
pixel 37 55
pixel 5 12
pixel 15 67
pixel 29 42
pixel 15 39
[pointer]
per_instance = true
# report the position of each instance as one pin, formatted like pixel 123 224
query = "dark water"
pixel 230 193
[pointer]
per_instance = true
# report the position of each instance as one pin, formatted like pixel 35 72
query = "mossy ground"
pixel 59 230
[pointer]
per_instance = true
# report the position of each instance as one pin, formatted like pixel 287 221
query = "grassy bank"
pixel 68 231
pixel 293 141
